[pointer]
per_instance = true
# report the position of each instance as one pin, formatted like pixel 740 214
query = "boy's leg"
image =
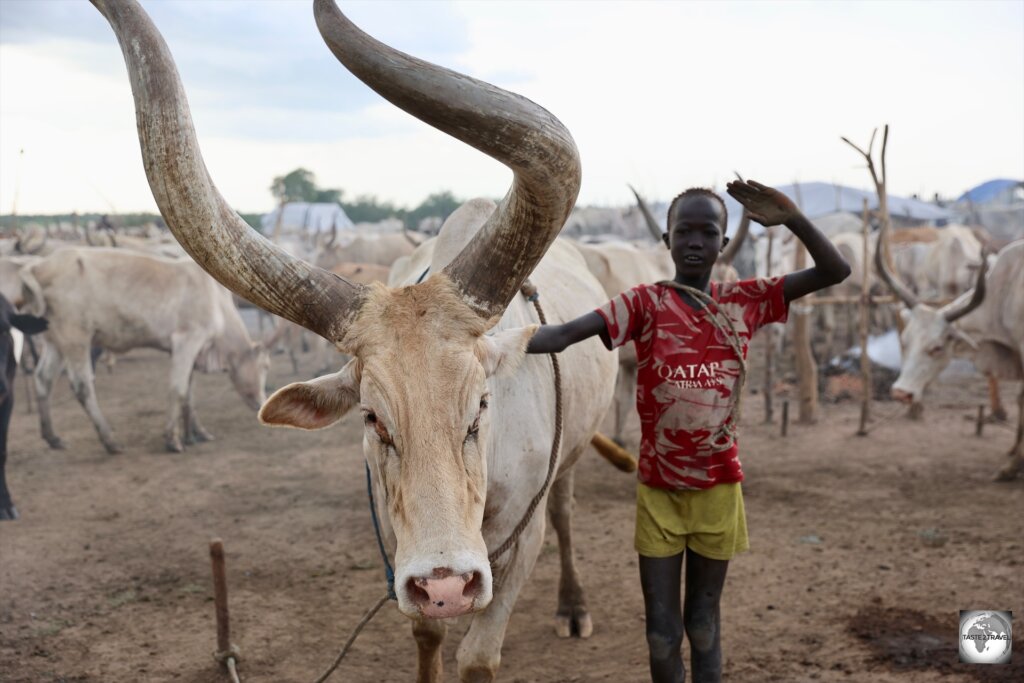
pixel 659 580
pixel 704 580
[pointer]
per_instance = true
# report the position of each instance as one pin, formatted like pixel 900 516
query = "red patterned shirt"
pixel 687 371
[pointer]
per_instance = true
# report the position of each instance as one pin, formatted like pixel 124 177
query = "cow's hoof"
pixel 55 443
pixel 1008 473
pixel 113 448
pixel 202 437
pixel 174 446
pixel 577 624
pixel 8 512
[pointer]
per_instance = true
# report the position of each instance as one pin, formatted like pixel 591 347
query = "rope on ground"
pixel 352 638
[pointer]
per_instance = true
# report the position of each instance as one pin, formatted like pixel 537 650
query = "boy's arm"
pixel 555 338
pixel 770 207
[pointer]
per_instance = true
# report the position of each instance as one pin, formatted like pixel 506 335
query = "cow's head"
pixel 418 380
pixel 248 372
pixel 420 354
pixel 929 334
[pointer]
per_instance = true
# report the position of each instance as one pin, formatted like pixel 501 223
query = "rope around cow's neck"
pixel 530 292
pixel 731 424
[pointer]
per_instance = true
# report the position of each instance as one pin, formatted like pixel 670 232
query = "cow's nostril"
pixel 473 585
pixel 417 591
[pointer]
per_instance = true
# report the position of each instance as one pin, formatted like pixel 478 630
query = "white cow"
pixel 120 300
pixel 458 425
pixel 990 328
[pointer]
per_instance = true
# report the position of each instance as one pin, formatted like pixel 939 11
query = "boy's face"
pixel 694 235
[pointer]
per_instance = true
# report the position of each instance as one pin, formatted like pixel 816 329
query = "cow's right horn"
pixel 898 288
pixel 205 225
pixel 954 312
pixel 505 126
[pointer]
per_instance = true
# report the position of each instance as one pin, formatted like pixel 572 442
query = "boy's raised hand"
pixel 766 205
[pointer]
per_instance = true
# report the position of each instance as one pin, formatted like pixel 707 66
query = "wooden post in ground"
pixel 865 313
pixel 769 343
pixel 806 368
pixel 785 418
pixel 979 424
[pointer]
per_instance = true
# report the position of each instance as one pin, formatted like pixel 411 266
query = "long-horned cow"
pixel 120 300
pixel 992 327
pixel 457 439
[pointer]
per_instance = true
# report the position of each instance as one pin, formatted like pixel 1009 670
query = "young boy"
pixel 688 498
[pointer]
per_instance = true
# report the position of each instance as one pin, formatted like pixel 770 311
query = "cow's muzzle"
pixel 902 396
pixel 445 594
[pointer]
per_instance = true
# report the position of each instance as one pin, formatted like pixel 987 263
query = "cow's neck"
pixel 234 338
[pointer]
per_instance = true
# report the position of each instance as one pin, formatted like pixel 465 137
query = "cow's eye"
pixel 370 418
pixel 935 351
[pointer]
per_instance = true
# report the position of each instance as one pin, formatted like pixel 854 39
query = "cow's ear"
pixel 315 404
pixel 501 353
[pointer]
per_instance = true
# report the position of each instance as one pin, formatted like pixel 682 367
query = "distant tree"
pixel 300 186
pixel 367 209
pixel 329 196
pixel 440 204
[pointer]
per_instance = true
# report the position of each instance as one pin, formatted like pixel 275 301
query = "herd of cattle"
pixel 457 448
pixel 113 292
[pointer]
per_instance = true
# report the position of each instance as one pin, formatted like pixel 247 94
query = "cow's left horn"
pixel 898 288
pixel 210 230
pixel 508 127
pixel 652 225
pixel 952 311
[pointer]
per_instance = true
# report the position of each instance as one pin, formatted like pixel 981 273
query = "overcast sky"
pixel 664 95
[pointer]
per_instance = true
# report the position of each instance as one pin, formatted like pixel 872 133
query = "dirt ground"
pixel 864 549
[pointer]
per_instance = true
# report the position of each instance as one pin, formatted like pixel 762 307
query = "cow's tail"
pixel 32 293
pixel 613 453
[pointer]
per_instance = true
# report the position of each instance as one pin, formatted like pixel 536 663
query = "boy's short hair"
pixel 698 192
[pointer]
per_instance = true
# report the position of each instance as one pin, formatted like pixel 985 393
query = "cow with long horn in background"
pixel 991 328
pixel 458 426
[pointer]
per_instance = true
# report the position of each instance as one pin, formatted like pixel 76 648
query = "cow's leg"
pixel 429 635
pixel 1016 453
pixel 184 349
pixel 83 386
pixel 625 399
pixel 995 401
pixel 572 616
pixel 479 653
pixel 47 369
pixel 7 509
pixel 194 431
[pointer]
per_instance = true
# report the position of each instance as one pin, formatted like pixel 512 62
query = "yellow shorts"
pixel 711 521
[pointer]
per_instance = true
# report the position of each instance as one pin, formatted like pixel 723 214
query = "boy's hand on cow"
pixel 766 205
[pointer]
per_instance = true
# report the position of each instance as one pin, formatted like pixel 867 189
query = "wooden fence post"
pixel 865 312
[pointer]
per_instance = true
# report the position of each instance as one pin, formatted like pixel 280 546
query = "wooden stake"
pixel 980 423
pixel 220 595
pixel 865 312
pixel 806 368
pixel 785 418
pixel 226 654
